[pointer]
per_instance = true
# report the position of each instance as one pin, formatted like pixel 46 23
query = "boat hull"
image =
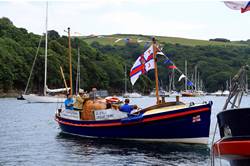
pixel 43 99
pixel 132 95
pixel 234 122
pixel 234 149
pixel 171 126
pixel 234 129
pixel 188 95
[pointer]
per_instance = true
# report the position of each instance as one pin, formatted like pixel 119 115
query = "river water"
pixel 29 135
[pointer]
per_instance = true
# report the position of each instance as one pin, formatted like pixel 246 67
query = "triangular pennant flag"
pixel 167 61
pixel 172 67
pixel 189 83
pixel 182 76
pixel 160 53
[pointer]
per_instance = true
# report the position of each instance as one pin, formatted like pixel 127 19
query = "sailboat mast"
pixel 198 81
pixel 78 72
pixel 186 75
pixel 156 72
pixel 125 81
pixel 170 82
pixel 246 83
pixel 70 65
pixel 195 78
pixel 46 51
pixel 230 83
pixel 173 79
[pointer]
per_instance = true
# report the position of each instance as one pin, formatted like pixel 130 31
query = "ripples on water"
pixel 30 136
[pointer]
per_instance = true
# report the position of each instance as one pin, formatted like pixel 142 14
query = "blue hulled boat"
pixel 172 121
pixel 164 122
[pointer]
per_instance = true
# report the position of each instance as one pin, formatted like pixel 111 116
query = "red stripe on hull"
pixel 175 115
pixel 88 125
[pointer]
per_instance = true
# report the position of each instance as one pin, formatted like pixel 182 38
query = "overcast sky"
pixel 176 18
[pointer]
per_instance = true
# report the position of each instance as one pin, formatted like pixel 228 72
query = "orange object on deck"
pixel 90 106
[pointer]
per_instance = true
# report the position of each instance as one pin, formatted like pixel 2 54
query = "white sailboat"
pixel 198 85
pixel 186 92
pixel 172 90
pixel 217 93
pixel 127 94
pixel 33 98
pixel 161 93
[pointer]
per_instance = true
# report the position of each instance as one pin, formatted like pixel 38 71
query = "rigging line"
pixel 176 67
pixel 213 138
pixel 26 88
pixel 236 90
pixel 199 97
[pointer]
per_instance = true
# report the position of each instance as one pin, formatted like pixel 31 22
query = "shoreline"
pixel 9 94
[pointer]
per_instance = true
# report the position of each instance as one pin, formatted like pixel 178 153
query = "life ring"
pixel 112 99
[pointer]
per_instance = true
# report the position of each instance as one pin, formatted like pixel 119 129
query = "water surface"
pixel 29 135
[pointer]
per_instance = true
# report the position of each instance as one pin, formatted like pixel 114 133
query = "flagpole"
pixel 70 65
pixel 156 72
pixel 186 75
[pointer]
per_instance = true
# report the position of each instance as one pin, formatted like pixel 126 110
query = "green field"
pixel 119 39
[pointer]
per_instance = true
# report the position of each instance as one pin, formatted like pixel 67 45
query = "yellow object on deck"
pixel 165 109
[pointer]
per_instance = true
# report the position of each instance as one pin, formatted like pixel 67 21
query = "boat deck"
pixel 165 109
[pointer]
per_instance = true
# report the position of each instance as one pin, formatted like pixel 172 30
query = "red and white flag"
pixel 142 65
pixel 243 6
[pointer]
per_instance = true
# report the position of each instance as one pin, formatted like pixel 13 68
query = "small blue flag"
pixel 146 45
pixel 167 61
pixel 189 83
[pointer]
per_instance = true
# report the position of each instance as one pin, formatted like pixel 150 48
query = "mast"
pixel 230 83
pixel 170 82
pixel 173 85
pixel 237 89
pixel 156 71
pixel 246 84
pixel 195 78
pixel 46 51
pixel 125 80
pixel 186 75
pixel 200 84
pixel 198 81
pixel 78 71
pixel 192 79
pixel 70 65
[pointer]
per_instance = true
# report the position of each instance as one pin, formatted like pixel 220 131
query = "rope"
pixel 212 154
pixel 177 69
pixel 26 88
pixel 236 93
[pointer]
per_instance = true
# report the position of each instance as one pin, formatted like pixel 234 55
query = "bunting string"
pixel 174 67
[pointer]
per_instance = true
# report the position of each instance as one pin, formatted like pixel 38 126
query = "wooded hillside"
pixel 102 63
